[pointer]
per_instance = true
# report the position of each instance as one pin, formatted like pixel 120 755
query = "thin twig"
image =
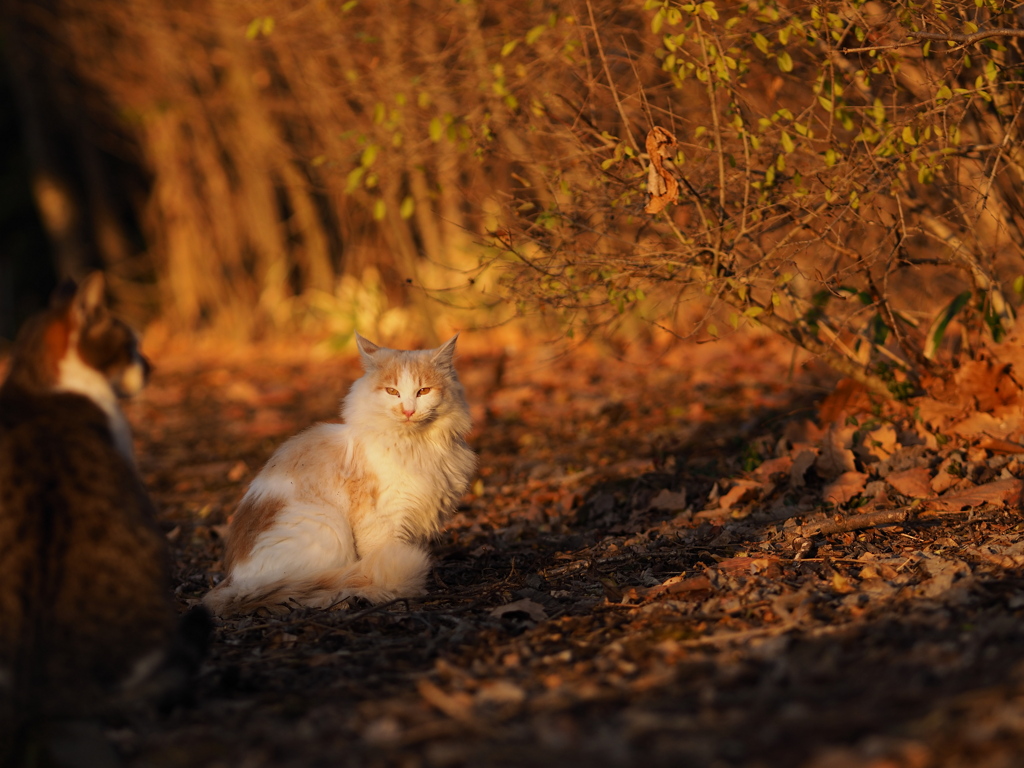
pixel 611 82
pixel 971 39
pixel 952 37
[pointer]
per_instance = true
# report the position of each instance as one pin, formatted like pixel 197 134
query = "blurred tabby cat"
pixel 86 622
pixel 345 510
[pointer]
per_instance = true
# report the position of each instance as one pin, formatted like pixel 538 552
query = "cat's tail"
pixel 396 570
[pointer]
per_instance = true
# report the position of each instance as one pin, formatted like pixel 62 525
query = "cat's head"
pixel 410 389
pixel 78 346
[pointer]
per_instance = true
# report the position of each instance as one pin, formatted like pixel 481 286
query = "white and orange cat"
pixel 344 510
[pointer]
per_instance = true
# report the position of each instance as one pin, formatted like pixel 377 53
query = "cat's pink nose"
pixel 408 414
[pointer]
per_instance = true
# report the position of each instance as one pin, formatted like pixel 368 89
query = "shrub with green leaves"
pixel 849 177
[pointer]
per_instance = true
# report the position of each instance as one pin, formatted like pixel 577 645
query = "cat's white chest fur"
pixel 419 482
pixel 73 375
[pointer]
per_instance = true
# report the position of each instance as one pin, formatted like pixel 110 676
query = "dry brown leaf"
pixel 743 491
pixel 671 501
pixel 661 184
pixel 986 384
pixel 802 432
pixel 803 462
pixel 878 444
pixel 945 479
pixel 748 566
pixel 836 457
pixel 989 425
pixel 915 483
pixel 935 414
pixel 999 492
pixel 998 445
pixel 673 586
pixel 778 465
pixel 458 705
pixel 848 397
pixel 844 488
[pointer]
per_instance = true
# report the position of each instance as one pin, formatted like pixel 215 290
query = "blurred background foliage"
pixel 253 167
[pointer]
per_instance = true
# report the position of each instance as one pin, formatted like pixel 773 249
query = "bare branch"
pixel 971 39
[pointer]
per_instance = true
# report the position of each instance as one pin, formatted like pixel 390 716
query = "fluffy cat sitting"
pixel 345 510
pixel 86 620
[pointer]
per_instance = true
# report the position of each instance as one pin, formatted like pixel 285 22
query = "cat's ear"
pixel 90 299
pixel 367 349
pixel 445 354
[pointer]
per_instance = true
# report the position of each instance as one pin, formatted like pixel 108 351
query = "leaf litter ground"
pixel 707 555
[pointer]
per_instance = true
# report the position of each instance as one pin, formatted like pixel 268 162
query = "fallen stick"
pixel 858 522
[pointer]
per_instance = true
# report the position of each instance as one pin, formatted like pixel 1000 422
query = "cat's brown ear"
pixel 367 349
pixel 445 354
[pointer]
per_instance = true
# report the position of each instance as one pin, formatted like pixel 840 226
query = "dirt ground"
pixel 651 570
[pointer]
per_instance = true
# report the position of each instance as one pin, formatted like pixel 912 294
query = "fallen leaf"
pixel 933 413
pixel 744 490
pixel 998 445
pixel 457 705
pixel 778 465
pixel 1000 492
pixel 915 483
pixel 879 444
pixel 848 397
pixel 987 425
pixel 500 692
pixel 671 501
pixel 748 566
pixel 803 462
pixel 836 457
pixel 842 585
pixel 673 586
pixel 845 488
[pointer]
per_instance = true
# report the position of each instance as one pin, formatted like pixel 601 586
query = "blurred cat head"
pixel 78 346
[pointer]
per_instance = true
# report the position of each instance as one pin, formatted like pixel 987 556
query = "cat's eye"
pixel 391 391
pixel 424 391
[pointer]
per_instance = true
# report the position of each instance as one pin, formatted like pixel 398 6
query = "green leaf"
pixel 938 327
pixel 787 143
pixel 908 136
pixel 785 61
pixel 380 210
pixel 657 21
pixel 407 207
pixel 354 179
pixel 943 94
pixel 436 129
pixel 253 30
pixel 761 42
pixel 369 155
pixel 508 47
pixel 534 34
